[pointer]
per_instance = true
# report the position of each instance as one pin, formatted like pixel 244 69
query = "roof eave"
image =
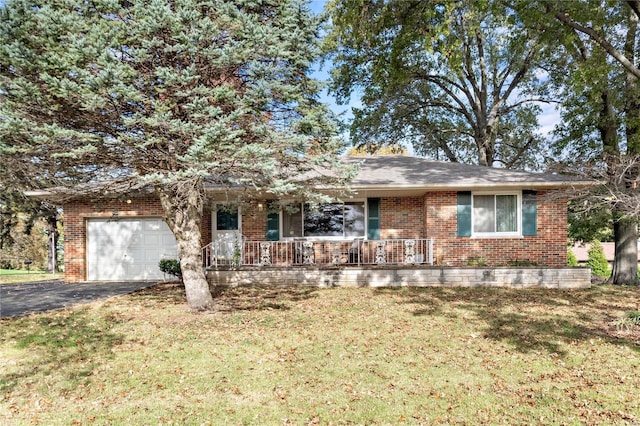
pixel 467 186
pixel 386 190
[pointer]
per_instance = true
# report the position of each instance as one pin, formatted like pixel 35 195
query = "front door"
pixel 227 239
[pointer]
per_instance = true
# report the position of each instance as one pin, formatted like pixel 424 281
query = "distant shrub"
pixel 572 260
pixel 597 261
pixel 171 267
pixel 477 261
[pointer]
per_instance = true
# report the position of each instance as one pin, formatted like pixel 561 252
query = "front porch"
pixel 366 263
pixel 226 253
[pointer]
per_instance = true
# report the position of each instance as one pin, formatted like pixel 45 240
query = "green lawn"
pixel 13 276
pixel 16 272
pixel 273 356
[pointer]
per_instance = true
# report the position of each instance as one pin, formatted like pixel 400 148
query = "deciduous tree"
pixel 16 208
pixel 595 67
pixel 456 79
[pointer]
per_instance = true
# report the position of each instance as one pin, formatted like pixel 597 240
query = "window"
pixel 227 218
pixel 292 221
pixel 326 220
pixel 496 214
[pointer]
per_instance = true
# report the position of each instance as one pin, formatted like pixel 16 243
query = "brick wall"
pixel 254 221
pixel 547 248
pixel 207 227
pixel 432 216
pixel 401 217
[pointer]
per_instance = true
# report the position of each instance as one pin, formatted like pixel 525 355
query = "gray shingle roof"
pixel 402 172
pixel 408 176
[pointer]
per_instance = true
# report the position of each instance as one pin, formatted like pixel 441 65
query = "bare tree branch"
pixel 615 186
pixel 566 19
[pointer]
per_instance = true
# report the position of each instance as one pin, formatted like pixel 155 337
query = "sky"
pixel 322 74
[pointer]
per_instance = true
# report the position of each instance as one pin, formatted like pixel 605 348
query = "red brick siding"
pixel 432 216
pixel 441 220
pixel 547 248
pixel 254 221
pixel 207 227
pixel 401 217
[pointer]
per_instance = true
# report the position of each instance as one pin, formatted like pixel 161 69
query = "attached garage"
pixel 128 248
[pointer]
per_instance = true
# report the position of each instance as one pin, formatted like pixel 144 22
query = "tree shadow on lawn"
pixel 533 319
pixel 171 292
pixel 67 342
pixel 257 297
pixel 230 299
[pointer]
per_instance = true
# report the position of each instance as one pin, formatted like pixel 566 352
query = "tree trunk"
pixel 485 148
pixel 183 206
pixel 625 265
pixel 52 255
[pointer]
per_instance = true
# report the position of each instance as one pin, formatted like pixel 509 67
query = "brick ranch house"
pixel 409 221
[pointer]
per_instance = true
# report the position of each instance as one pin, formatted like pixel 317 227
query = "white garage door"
pixel 128 249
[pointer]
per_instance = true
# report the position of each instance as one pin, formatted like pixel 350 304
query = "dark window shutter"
pixel 464 214
pixel 373 219
pixel 273 226
pixel 529 213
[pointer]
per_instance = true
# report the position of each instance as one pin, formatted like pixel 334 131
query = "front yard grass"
pixel 13 276
pixel 273 356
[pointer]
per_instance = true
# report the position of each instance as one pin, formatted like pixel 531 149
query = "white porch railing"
pixel 319 252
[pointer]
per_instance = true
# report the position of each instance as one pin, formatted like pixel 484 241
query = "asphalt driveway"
pixel 22 299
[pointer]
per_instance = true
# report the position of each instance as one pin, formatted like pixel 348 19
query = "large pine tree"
pixel 163 93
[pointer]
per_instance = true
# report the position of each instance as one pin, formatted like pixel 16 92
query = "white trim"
pixel 214 219
pixel 495 234
pixel 465 186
